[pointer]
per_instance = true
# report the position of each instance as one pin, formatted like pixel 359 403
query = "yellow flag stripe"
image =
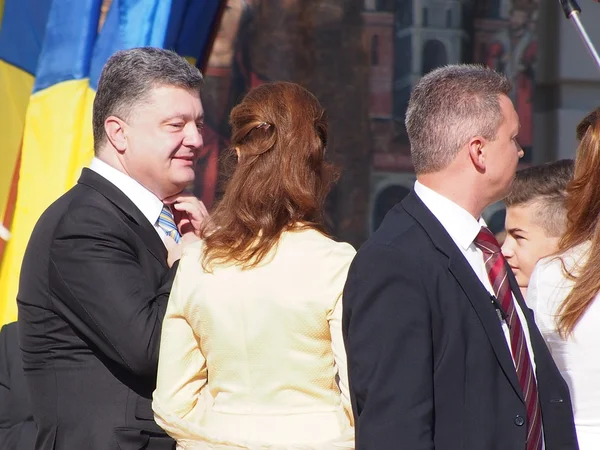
pixel 15 90
pixel 57 144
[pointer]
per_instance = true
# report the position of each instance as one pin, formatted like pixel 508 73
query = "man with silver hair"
pixel 100 263
pixel 443 353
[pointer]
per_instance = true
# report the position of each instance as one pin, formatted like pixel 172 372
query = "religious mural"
pixel 407 39
pixel 317 44
pixel 227 77
pixel 505 39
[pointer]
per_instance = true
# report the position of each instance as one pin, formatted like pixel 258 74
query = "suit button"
pixel 519 421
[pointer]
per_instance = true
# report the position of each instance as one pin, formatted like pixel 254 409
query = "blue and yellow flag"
pixel 19 50
pixel 55 131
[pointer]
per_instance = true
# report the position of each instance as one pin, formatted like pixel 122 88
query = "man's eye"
pixel 175 125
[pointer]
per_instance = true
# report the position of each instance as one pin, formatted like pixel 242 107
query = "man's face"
pixel 526 242
pixel 163 140
pixel 504 152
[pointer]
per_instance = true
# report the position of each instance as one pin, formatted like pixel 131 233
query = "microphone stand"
pixel 572 11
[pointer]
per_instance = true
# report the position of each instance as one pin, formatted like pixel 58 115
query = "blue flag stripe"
pixel 70 37
pixel 22 32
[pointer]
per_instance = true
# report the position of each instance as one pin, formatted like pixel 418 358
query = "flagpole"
pixel 572 12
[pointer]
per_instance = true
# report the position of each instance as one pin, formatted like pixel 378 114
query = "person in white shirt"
pixel 442 351
pixel 100 263
pixel 565 287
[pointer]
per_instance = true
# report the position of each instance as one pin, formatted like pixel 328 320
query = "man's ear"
pixel 477 153
pixel 115 131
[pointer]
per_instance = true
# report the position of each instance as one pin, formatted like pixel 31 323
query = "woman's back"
pixel 271 339
pixel 265 331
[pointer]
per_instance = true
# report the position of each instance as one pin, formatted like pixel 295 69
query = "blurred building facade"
pixel 555 81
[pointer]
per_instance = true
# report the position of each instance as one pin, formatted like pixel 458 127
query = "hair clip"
pixel 264 125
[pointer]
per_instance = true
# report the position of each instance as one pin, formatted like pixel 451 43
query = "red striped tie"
pixel 495 265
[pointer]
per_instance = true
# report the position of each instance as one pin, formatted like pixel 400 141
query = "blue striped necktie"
pixel 166 222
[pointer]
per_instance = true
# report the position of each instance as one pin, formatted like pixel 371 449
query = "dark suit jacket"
pixel 92 296
pixel 17 428
pixel 428 362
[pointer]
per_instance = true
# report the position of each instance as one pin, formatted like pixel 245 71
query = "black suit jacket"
pixel 93 292
pixel 17 428
pixel 428 362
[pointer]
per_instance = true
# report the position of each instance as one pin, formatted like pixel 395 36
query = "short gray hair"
pixel 128 77
pixel 447 107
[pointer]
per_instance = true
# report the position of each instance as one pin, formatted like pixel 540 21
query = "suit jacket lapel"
pixel 481 302
pixel 476 293
pixel 138 222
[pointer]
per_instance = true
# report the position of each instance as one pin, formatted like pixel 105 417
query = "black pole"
pixel 569 7
pixel 572 12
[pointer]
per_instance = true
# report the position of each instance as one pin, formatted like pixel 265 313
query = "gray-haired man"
pixel 442 351
pixel 99 265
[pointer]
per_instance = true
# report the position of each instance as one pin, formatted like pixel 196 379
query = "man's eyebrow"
pixel 183 117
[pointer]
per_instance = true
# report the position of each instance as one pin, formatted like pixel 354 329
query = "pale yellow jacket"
pixel 254 359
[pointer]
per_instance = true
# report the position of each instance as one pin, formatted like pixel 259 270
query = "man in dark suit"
pixel 100 263
pixel 17 428
pixel 443 353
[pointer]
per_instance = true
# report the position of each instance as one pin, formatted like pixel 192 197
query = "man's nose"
pixel 193 137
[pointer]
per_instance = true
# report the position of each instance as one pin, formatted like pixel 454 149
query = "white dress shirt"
pixel 463 228
pixel 148 203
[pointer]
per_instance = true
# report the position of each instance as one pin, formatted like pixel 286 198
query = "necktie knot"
pixel 486 241
pixel 166 221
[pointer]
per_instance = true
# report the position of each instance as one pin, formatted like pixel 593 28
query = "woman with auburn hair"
pixel 564 289
pixel 252 355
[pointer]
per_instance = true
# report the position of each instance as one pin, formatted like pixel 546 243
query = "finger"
pixel 189 201
pixel 186 210
pixel 188 223
pixel 182 196
pixel 170 243
pixel 187 227
pixel 195 203
pixel 194 210
pixel 203 208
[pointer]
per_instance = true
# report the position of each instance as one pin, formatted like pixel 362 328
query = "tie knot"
pixel 486 241
pixel 166 221
pixel 167 213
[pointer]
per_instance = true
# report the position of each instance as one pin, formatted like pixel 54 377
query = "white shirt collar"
pixel 148 203
pixel 462 227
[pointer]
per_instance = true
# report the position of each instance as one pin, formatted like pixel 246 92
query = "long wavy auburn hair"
pixel 281 179
pixel 583 211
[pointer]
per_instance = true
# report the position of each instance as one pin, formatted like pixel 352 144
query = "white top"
pixel 148 203
pixel 577 357
pixel 463 228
